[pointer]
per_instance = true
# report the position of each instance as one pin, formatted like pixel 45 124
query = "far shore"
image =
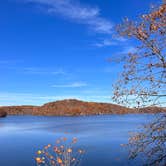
pixel 73 107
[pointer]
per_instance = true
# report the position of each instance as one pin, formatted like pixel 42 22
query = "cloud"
pixel 128 49
pixel 106 42
pixel 73 85
pixel 10 98
pixel 5 62
pixel 121 39
pixel 77 12
pixel 114 41
pixel 125 50
pixel 43 71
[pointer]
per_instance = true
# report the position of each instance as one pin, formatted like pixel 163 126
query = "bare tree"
pixel 143 80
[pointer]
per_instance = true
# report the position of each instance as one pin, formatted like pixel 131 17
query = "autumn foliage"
pixel 74 107
pixel 143 79
pixel 63 153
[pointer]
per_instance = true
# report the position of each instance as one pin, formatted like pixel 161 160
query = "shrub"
pixel 62 153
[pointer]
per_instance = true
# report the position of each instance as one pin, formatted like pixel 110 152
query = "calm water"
pixel 100 136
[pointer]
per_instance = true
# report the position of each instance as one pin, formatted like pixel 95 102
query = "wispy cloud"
pixel 114 41
pixel 120 39
pixel 43 71
pixel 106 42
pixel 10 98
pixel 77 12
pixel 119 55
pixel 11 62
pixel 72 85
pixel 128 49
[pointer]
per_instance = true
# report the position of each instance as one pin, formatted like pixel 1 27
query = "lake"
pixel 100 137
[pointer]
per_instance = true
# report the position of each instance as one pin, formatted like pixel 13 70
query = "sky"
pixel 59 49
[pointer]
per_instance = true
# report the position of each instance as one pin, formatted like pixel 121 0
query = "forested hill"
pixel 72 107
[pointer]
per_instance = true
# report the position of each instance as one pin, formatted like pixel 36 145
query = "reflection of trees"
pixel 143 80
pixel 3 113
pixel 150 142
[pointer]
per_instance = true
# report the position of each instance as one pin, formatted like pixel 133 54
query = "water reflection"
pixel 100 136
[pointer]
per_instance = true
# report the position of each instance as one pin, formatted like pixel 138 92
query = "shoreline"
pixel 73 107
pixel 92 115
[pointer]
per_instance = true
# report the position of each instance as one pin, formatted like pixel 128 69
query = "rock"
pixel 3 114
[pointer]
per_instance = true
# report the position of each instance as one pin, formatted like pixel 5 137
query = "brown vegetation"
pixel 143 81
pixel 3 113
pixel 63 153
pixel 143 78
pixel 74 107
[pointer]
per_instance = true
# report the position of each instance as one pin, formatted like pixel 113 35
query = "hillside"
pixel 74 107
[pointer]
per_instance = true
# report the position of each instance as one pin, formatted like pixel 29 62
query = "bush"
pixel 61 154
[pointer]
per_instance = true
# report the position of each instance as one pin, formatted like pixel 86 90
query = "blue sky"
pixel 57 49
